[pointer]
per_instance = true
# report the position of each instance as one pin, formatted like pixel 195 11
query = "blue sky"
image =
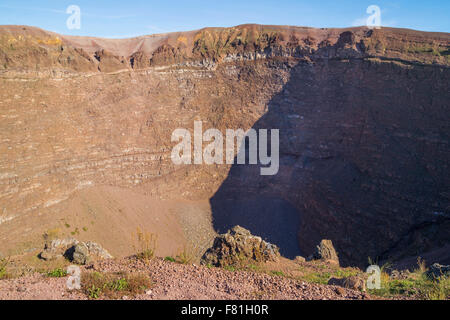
pixel 119 19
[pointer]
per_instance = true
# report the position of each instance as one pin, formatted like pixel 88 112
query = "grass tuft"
pixel 57 273
pixel 4 262
pixel 170 259
pixel 186 256
pixel 146 244
pixel 98 285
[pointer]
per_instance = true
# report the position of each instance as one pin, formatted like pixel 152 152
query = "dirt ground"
pixel 111 216
pixel 180 282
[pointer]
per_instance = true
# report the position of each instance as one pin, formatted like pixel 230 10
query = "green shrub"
pixel 317 277
pixel 438 289
pixel 230 268
pixel 57 273
pixel 94 292
pixel 170 259
pixel 3 265
pixel 417 285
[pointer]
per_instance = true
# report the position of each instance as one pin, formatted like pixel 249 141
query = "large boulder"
pixel 352 282
pixel 238 246
pixel 58 248
pixel 81 254
pixel 325 251
pixel 74 250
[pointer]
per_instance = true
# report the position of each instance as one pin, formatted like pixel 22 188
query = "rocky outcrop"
pixel 399 275
pixel 139 60
pixel 80 254
pixel 74 250
pixel 437 270
pixel 58 248
pixel 325 251
pixel 299 259
pixel 108 62
pixel 239 246
pixel 352 282
pixel 24 48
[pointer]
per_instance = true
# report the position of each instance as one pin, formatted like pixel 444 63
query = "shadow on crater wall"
pixel 273 219
pixel 361 163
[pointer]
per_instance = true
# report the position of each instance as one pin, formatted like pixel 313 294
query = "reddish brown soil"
pixel 179 282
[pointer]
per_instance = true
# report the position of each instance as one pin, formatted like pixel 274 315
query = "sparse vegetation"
pixel 421 288
pixel 145 244
pixel 319 272
pixel 187 255
pixel 317 277
pixel 113 285
pixel 438 289
pixel 432 50
pixel 4 262
pixel 345 273
pixel 51 234
pixel 230 268
pixel 57 273
pixel 170 259
pixel 422 266
pixel 93 292
pixel 416 284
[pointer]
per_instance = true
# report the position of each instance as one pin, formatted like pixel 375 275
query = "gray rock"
pixel 353 282
pixel 299 259
pixel 399 275
pixel 81 254
pixel 58 248
pixel 239 246
pixel 437 270
pixel 74 250
pixel 61 244
pixel 98 251
pixel 325 251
